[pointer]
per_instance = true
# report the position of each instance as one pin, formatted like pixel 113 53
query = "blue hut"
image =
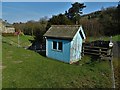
pixel 64 42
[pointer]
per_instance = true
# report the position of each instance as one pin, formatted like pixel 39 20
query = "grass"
pixel 27 69
pixel 23 40
pixel 114 38
pixel 116 60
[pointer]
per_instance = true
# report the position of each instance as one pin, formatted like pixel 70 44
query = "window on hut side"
pixel 59 45
pixel 54 45
pixel 81 34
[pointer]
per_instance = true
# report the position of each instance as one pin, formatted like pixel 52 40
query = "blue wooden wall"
pixel 63 55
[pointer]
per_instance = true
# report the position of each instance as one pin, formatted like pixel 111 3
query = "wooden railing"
pixel 97 51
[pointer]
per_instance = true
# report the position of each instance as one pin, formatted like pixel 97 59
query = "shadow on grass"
pixel 88 60
pixel 42 53
pixel 92 60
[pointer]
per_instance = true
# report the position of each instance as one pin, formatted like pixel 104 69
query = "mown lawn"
pixel 23 40
pixel 27 69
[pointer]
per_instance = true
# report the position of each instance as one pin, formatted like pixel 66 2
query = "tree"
pixel 43 20
pixel 74 12
pixel 60 19
pixel 118 12
pixel 70 17
pixel 109 19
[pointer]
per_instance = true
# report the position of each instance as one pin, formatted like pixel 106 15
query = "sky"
pixel 25 11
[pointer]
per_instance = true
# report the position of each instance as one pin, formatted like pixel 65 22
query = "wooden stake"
pixel 18 40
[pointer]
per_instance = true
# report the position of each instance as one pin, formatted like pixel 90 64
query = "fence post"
pixel 35 48
pixel 83 51
pixel 18 40
pixel 100 51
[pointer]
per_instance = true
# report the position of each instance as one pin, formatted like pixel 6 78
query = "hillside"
pixel 27 69
pixel 24 40
pixel 102 23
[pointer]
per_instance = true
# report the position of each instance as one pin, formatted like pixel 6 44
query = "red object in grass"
pixel 17 33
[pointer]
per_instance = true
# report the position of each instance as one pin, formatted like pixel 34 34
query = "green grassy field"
pixel 114 38
pixel 23 40
pixel 27 69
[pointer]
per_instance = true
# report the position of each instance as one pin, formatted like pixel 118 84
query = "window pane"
pixel 54 45
pixel 59 45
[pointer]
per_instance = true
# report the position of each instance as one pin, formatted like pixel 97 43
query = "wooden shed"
pixel 64 42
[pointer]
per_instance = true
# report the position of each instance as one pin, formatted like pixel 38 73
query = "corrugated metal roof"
pixel 62 31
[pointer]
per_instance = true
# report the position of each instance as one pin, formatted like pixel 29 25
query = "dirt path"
pixel 116 49
pixel 116 56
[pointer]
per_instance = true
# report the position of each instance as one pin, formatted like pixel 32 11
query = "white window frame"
pixel 57 49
